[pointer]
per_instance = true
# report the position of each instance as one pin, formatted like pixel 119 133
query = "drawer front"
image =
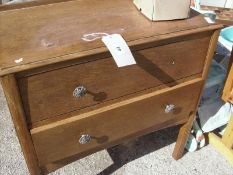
pixel 139 115
pixel 50 94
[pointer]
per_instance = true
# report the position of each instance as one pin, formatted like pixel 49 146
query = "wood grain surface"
pixel 11 92
pixel 46 34
pixel 112 102
pixel 49 94
pixel 227 95
pixel 26 4
pixel 134 116
pixel 186 128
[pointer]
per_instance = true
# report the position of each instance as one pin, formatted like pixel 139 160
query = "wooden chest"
pixel 68 98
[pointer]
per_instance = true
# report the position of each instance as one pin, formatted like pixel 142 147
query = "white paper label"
pixel 119 50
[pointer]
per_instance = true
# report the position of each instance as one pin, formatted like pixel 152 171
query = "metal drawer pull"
pixel 79 91
pixel 85 138
pixel 169 108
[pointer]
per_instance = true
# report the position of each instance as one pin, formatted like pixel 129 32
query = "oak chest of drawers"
pixel 68 98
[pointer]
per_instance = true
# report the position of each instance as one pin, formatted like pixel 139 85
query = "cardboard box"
pixel 157 10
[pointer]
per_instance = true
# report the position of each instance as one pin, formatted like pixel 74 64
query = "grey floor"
pixel 147 155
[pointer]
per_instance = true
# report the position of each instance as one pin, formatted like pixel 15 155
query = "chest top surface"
pixel 41 35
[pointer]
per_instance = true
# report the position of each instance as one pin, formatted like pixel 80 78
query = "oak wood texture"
pixel 26 4
pixel 186 128
pixel 216 141
pixel 9 85
pixel 183 137
pixel 111 102
pixel 50 94
pixel 138 45
pixel 227 138
pixel 227 95
pixel 43 37
pixel 113 124
pixel 58 164
pixel 210 54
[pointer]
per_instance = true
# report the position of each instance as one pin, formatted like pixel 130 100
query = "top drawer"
pixel 49 94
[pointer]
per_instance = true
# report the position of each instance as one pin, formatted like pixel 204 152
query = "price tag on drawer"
pixel 119 50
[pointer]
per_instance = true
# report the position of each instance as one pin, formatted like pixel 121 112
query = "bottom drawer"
pixel 109 125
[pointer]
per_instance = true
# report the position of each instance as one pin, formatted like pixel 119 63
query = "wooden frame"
pixel 225 144
pixel 227 91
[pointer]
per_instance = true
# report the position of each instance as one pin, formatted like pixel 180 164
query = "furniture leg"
pixel 186 128
pixel 183 137
pixel 10 88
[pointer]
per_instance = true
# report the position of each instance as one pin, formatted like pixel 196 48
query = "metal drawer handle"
pixel 79 91
pixel 85 138
pixel 169 108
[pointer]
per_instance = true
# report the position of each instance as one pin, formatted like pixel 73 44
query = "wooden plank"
pixel 183 137
pixel 10 88
pixel 186 128
pixel 227 138
pixel 221 147
pixel 228 87
pixel 47 37
pixel 210 53
pixel 227 96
